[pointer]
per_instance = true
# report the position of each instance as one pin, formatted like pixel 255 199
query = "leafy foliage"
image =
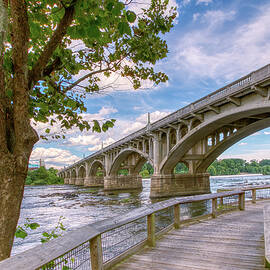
pixel 147 170
pixel 237 166
pixel 42 176
pixel 55 233
pixel 103 38
pixel 22 231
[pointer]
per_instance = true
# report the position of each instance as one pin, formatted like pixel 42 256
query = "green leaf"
pixel 124 28
pixel 33 226
pixel 131 16
pixel 20 233
pixel 93 31
pixel 96 126
pixel 45 234
pixel 47 130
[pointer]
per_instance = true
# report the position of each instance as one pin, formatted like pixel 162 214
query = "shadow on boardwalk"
pixel 233 241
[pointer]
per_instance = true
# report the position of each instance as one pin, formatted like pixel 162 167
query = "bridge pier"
pixel 66 181
pixel 79 182
pixel 72 181
pixel 94 181
pixel 118 182
pixel 179 185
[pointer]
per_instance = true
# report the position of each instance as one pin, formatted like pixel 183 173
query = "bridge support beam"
pixel 79 181
pixel 94 181
pixel 179 185
pixel 118 182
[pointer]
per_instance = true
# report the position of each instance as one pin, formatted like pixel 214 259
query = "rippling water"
pixel 81 205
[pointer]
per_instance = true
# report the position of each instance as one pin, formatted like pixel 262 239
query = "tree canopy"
pixel 42 176
pixel 71 44
pixel 52 54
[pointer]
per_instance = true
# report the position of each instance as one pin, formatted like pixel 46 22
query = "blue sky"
pixel 213 43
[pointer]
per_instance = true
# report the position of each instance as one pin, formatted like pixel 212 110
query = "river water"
pixel 81 205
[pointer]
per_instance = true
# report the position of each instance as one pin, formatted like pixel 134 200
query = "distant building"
pixel 32 167
pixel 41 163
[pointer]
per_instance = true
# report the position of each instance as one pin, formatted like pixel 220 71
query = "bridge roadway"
pixel 232 241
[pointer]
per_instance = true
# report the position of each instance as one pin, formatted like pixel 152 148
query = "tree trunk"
pixel 12 180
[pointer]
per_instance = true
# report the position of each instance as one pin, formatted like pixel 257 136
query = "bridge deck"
pixel 232 241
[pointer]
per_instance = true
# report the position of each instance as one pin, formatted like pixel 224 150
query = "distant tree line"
pixel 42 176
pixel 221 167
pixel 238 166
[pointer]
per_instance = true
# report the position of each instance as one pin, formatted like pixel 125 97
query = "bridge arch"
pixel 95 166
pixel 73 173
pixel 123 156
pixel 213 154
pixel 82 172
pixel 208 127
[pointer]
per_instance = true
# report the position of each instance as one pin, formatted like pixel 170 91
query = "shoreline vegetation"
pixel 229 167
pixel 224 168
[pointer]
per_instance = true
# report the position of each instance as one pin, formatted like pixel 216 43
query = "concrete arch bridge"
pixel 194 135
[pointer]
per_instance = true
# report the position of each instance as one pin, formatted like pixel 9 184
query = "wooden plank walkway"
pixel 232 241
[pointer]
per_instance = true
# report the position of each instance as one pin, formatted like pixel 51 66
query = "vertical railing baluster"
pixel 96 253
pixel 177 216
pixel 214 207
pixel 151 238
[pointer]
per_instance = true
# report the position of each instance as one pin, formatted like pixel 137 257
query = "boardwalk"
pixel 232 241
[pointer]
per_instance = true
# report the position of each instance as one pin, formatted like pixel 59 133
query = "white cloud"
pixel 103 113
pixel 141 121
pixel 256 133
pixel 219 53
pixel 138 6
pixel 98 146
pixel 84 140
pixel 205 2
pixel 215 18
pixel 250 155
pixel 196 16
pixel 242 144
pixel 53 157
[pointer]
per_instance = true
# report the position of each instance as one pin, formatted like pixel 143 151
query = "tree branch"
pixel 85 77
pixel 61 30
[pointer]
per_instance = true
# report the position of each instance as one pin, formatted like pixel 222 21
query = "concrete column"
pixel 150 148
pixel 168 141
pixel 179 185
pixel 156 153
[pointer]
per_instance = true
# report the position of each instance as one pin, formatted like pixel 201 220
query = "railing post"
pixel 177 216
pixel 151 238
pixel 96 253
pixel 221 201
pixel 214 207
pixel 241 201
pixel 253 195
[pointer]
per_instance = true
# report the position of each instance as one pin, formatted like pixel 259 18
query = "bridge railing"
pixel 103 244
